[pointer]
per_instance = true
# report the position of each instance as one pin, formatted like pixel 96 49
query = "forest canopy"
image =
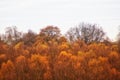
pixel 83 53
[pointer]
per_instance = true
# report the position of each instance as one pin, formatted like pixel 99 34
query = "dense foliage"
pixel 51 56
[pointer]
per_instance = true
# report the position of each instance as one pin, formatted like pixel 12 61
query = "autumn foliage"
pixel 51 56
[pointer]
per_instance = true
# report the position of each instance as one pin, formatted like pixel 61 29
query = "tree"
pixel 39 66
pixel 118 40
pixel 12 35
pixel 8 71
pixel 62 39
pixel 21 67
pixel 86 32
pixel 50 32
pixel 29 37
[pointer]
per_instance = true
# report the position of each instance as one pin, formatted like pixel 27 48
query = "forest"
pixel 83 53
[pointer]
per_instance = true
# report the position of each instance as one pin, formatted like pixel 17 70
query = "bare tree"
pixel 86 32
pixel 12 35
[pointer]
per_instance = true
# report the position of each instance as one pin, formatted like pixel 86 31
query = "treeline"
pixel 83 53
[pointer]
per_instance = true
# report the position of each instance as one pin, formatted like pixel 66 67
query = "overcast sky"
pixel 36 14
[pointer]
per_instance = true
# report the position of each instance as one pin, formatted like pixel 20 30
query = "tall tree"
pixel 29 37
pixel 50 32
pixel 12 35
pixel 86 32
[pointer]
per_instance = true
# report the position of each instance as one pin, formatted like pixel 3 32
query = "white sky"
pixel 36 14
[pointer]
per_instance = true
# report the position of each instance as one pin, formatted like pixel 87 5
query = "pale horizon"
pixel 37 14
